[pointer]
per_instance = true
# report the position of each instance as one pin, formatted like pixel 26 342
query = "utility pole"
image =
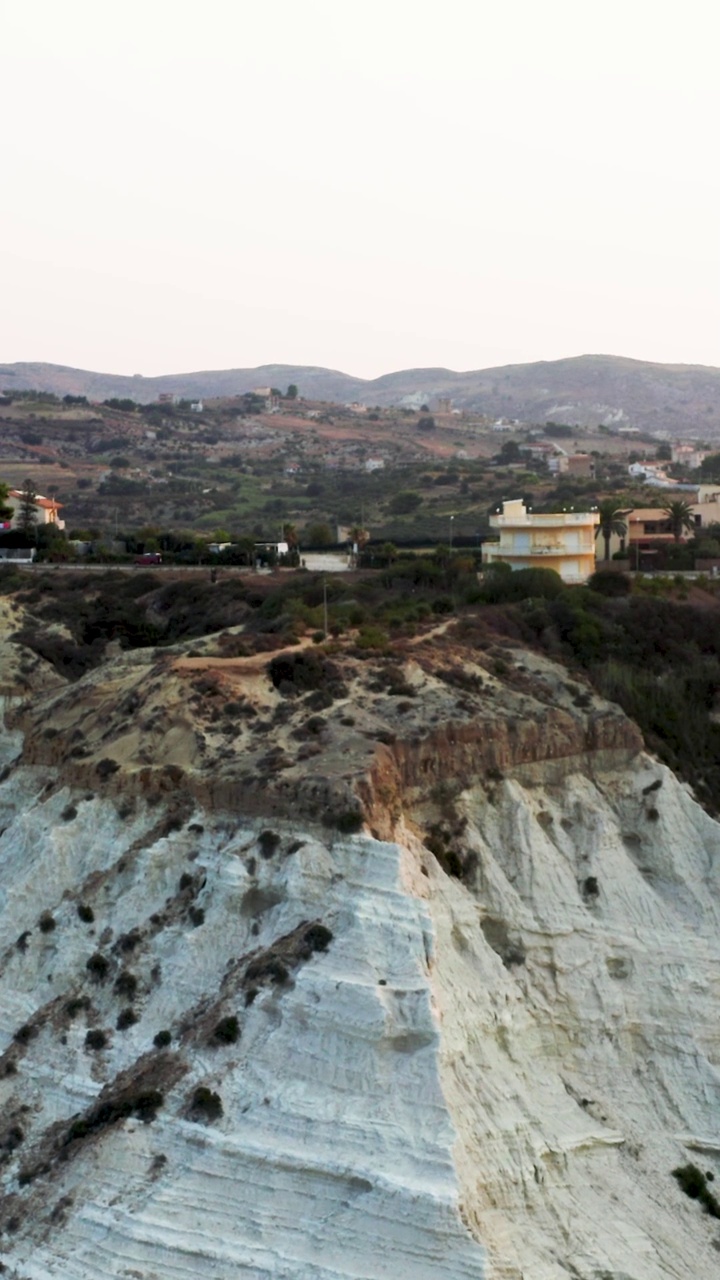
pixel 451 527
pixel 325 606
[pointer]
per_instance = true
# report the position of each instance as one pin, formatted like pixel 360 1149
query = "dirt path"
pixel 252 663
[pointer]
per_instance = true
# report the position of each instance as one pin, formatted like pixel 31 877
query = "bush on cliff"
pixel 502 586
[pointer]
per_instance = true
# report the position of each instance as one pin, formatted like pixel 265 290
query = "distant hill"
pixel 612 390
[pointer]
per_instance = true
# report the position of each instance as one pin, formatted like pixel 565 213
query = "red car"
pixel 149 557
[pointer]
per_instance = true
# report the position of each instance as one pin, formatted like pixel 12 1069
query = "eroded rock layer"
pixel 473 1038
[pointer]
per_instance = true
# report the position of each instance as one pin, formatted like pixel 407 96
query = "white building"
pixel 562 540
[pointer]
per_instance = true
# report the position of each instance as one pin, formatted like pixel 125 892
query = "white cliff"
pixel 488 1077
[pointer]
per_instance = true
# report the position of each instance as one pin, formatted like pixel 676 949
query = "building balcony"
pixel 494 549
pixel 558 519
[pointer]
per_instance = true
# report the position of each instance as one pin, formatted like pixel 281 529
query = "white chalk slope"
pixel 489 1081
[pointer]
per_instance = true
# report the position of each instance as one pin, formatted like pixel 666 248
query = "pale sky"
pixel 367 185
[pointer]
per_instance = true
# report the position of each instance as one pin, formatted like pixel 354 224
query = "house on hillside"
pixel 46 509
pixel 563 541
pixel 649 528
pixel 688 455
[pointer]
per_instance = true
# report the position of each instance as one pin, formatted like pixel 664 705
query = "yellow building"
pixel 563 541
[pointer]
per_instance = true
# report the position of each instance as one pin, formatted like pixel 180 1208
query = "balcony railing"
pixel 497 550
pixel 545 521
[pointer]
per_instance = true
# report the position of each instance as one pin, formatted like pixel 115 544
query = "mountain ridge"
pixel 588 390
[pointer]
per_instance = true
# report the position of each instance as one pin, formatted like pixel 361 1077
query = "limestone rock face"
pixel 251 1048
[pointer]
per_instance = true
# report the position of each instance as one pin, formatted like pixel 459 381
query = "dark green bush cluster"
pixel 347 821
pixel 295 673
pixel 268 841
pixel 75 1005
pixel 98 966
pixel 659 659
pixel 694 1183
pixel 227 1030
pixel 205 1105
pixel 145 1104
pixel 126 984
pixel 503 585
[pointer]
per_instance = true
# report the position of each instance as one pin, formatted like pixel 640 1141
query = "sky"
pixel 207 184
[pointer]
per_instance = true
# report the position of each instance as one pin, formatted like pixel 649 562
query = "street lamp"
pixel 451 522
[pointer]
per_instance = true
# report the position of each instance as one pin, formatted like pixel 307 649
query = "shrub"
pixel 86 913
pixel 46 923
pixel 162 1039
pixel 126 1018
pixel 25 1033
pixel 318 937
pixel 68 813
pixel 129 941
pixel 442 604
pixel 197 916
pixel 106 767
pixel 97 966
pixel 95 1039
pixel 74 1006
pixel 607 583
pixel 348 822
pixel 268 967
pixel 268 841
pixel 227 1030
pixel 694 1183
pixel 126 984
pixel 372 637
pixel 294 673
pixel 205 1105
pixel 501 587
pixel 22 941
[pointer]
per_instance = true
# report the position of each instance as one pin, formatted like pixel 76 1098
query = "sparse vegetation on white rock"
pixel 416 1096
pixel 252 1046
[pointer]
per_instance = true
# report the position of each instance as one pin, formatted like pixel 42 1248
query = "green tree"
pixel 292 392
pixel 27 514
pixel 612 522
pixel 710 466
pixel 6 511
pixel 680 517
pixel 318 535
pixel 509 452
pixel 404 503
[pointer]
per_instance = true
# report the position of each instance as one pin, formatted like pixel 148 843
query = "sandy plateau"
pixel 320 965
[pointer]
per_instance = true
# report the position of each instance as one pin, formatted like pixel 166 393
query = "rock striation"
pixel 470 1038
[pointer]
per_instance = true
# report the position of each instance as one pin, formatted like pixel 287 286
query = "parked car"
pixel 149 557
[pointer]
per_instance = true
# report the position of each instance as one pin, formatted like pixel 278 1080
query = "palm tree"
pixel 611 522
pixel 359 536
pixel 290 535
pixel 680 517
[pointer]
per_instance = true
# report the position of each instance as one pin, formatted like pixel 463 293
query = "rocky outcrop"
pixel 471 1040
